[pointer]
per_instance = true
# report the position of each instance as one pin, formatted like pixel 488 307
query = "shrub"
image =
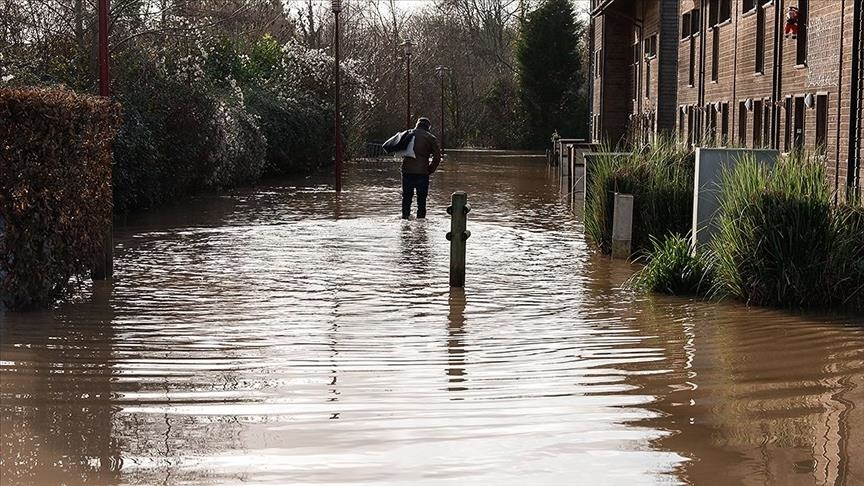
pixel 674 268
pixel 782 242
pixel 661 182
pixel 239 151
pixel 299 132
pixel 164 146
pixel 55 191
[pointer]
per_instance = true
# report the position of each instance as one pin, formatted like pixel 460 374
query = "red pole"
pixel 103 48
pixel 338 116
pixel 104 266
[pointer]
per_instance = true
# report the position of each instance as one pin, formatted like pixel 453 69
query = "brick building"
pixel 704 70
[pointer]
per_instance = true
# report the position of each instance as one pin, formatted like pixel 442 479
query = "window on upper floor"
pixel 695 21
pixel 719 11
pixel 748 5
pixel 715 55
pixel 685 25
pixel 801 47
pixel 598 58
pixel 691 75
pixel 651 46
pixel 760 40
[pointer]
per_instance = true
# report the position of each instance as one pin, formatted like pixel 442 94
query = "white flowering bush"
pixel 239 150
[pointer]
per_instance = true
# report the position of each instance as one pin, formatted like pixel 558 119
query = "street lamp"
pixel 103 267
pixel 407 48
pixel 442 71
pixel 336 7
pixel 103 48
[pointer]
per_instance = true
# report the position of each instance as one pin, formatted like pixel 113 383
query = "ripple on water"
pixel 286 336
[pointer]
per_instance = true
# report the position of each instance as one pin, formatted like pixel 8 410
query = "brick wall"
pixel 743 86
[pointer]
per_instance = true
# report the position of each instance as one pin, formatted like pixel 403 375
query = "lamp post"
pixel 103 267
pixel 336 7
pixel 103 48
pixel 442 71
pixel 407 48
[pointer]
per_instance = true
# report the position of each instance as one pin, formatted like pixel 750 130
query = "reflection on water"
pixel 455 345
pixel 284 335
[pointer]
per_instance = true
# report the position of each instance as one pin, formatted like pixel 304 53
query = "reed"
pixel 674 268
pixel 660 179
pixel 782 242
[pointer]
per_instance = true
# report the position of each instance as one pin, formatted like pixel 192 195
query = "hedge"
pixel 55 190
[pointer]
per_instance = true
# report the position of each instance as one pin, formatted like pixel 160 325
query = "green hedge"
pixel 55 190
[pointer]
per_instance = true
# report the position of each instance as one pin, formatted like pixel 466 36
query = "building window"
pixel 742 124
pixel 757 123
pixel 821 123
pixel 597 58
pixel 801 46
pixel 691 79
pixel 724 123
pixel 748 5
pixel 648 79
pixel 695 21
pixel 719 11
pixel 800 116
pixel 691 125
pixel 715 56
pixel 766 122
pixel 685 25
pixel 787 142
pixel 760 39
pixel 651 46
pixel 711 113
pixel 725 11
pixel 682 122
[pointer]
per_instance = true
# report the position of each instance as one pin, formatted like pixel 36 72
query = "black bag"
pixel 398 142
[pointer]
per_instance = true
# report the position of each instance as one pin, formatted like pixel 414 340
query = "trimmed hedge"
pixel 55 190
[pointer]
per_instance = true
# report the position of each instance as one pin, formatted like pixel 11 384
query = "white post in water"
pixel 622 226
pixel 457 236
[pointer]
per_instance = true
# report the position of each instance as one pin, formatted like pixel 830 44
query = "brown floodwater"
pixel 283 335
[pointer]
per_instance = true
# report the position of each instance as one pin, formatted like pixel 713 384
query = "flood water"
pixel 282 335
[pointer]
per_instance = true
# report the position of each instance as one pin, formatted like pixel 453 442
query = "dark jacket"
pixel 425 146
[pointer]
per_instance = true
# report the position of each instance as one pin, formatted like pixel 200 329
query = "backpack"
pixel 401 144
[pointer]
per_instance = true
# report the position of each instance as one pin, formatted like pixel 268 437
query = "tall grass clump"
pixel 849 262
pixel 674 268
pixel 661 182
pixel 782 242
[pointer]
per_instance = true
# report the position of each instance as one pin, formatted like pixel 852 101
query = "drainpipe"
pixel 840 100
pixel 703 33
pixel 853 184
pixel 591 79
pixel 777 75
pixel 639 72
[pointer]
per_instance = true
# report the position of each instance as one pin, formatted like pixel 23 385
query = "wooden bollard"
pixel 622 226
pixel 458 210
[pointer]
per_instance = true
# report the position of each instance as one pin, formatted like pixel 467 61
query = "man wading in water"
pixel 416 170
